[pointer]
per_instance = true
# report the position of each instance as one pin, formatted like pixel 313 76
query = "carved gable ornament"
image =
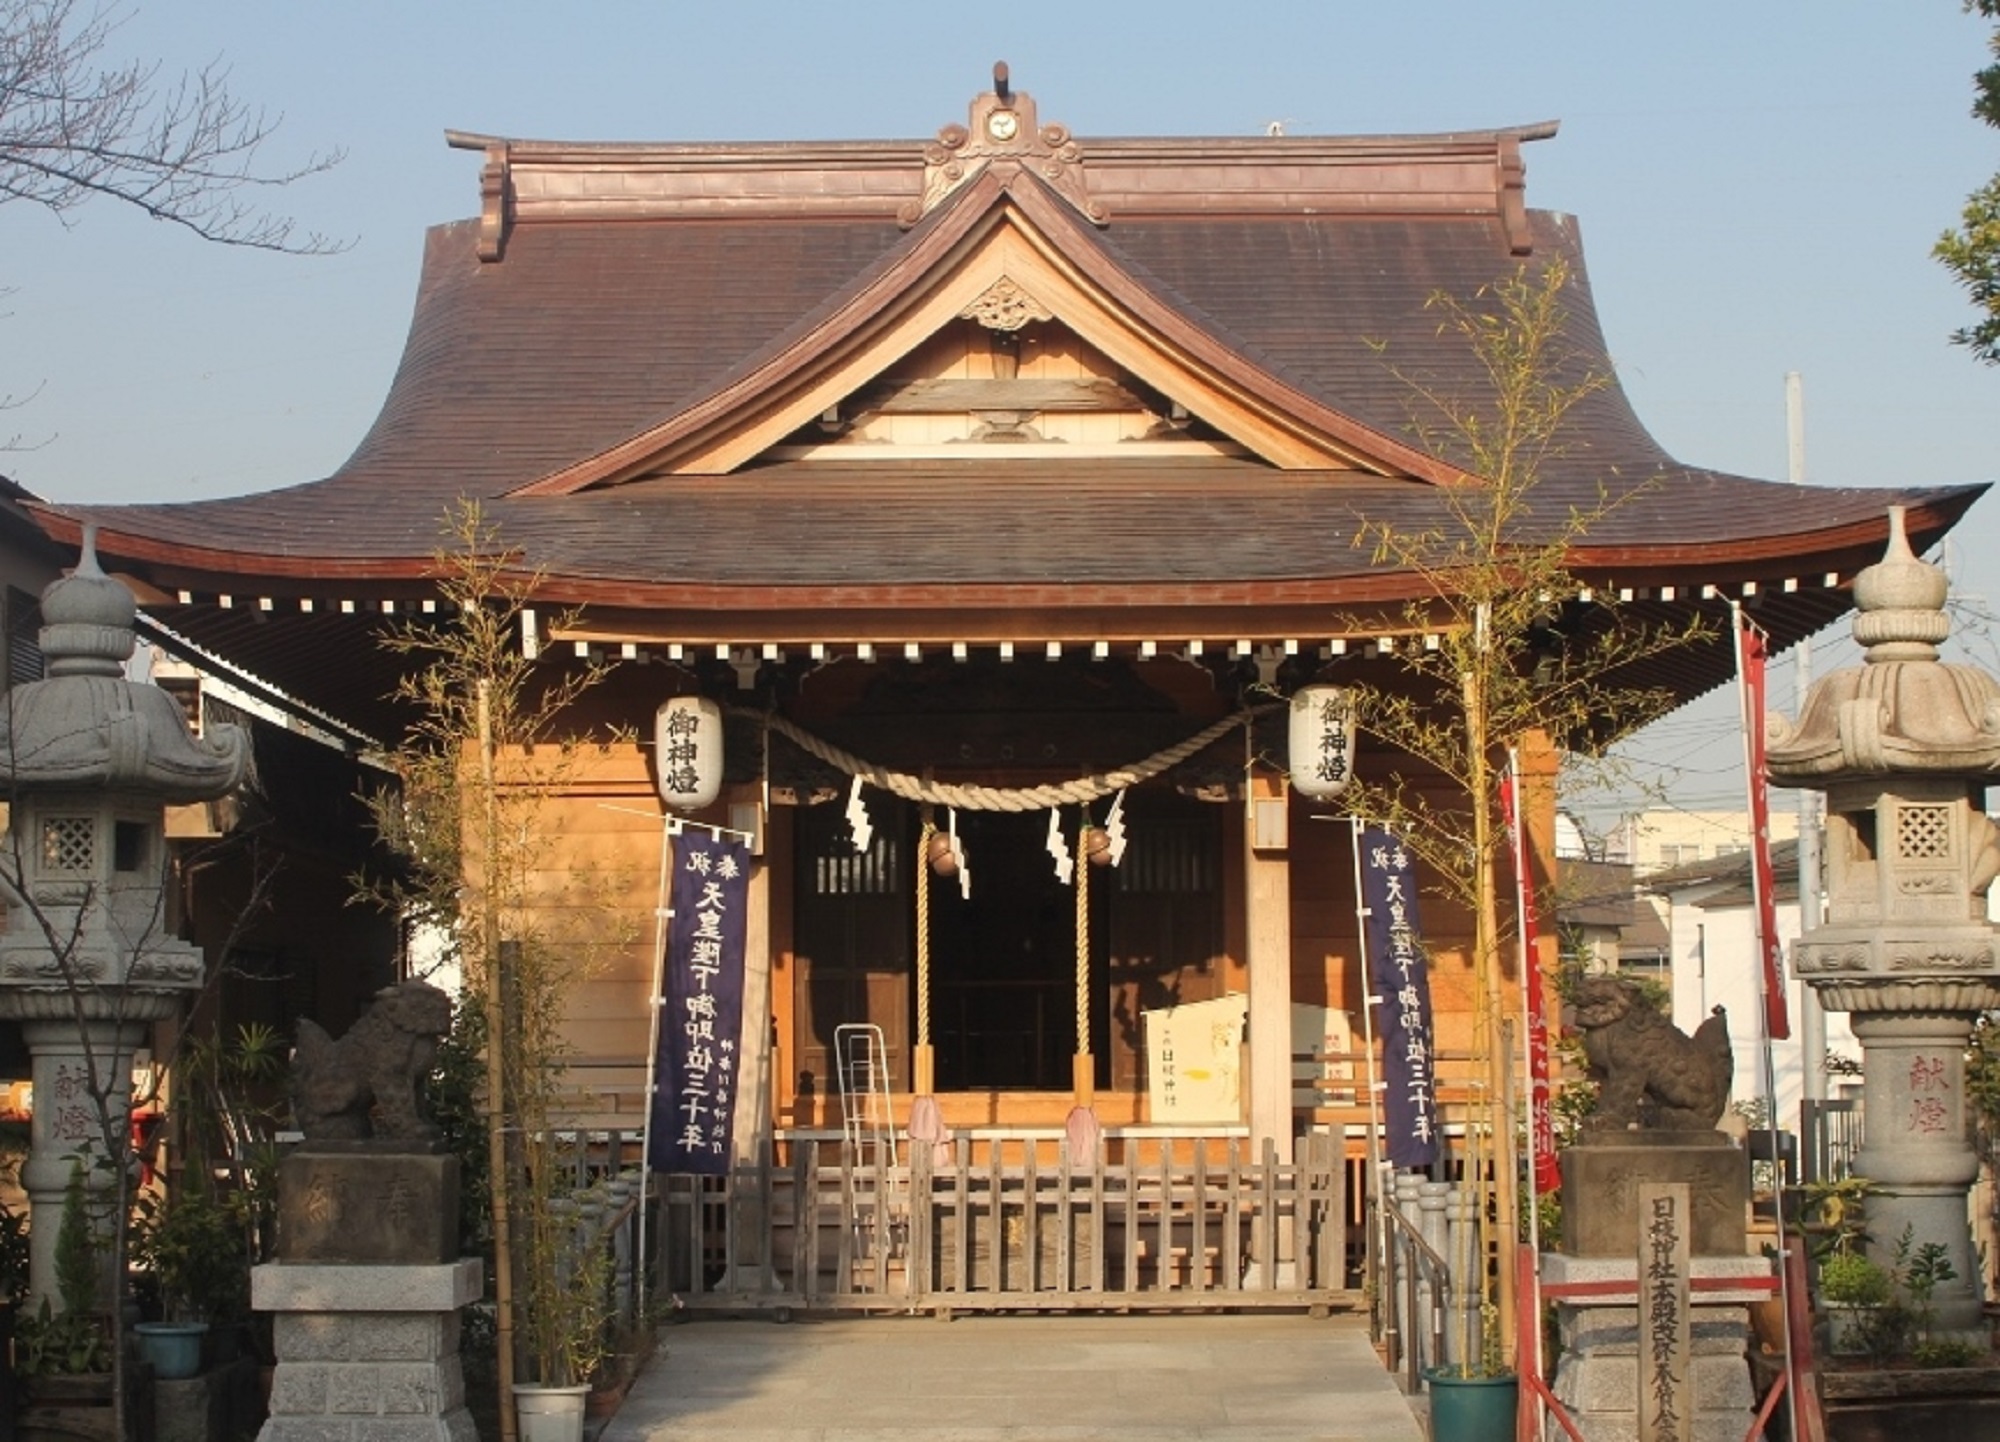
pixel 1002 130
pixel 1004 306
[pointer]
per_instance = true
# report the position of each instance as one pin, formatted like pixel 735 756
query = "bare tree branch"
pixel 76 125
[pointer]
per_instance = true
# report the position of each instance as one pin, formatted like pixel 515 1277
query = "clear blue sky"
pixel 1759 186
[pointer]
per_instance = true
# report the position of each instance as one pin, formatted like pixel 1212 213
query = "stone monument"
pixel 368 1285
pixel 88 958
pixel 1904 745
pixel 1661 1093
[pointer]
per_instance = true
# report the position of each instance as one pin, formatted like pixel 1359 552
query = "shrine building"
pixel 997 466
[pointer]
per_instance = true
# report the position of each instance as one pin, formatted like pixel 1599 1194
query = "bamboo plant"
pixel 1508 646
pixel 483 759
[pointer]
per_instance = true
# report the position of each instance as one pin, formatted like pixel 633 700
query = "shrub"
pixel 1849 1279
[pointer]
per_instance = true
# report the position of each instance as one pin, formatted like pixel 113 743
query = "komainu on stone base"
pixel 1649 1072
pixel 368 1083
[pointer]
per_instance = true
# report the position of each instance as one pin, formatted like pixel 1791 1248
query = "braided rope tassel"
pixel 924 933
pixel 1083 938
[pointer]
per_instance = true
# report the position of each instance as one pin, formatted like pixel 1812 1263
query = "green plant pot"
pixel 1471 1409
pixel 174 1348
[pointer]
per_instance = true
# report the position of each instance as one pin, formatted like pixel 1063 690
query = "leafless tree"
pixel 76 123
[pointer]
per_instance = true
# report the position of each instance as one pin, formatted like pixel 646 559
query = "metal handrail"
pixel 1412 1264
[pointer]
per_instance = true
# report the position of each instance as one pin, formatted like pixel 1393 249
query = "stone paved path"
pixel 1248 1378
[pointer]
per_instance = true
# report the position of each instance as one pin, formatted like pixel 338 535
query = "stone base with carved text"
pixel 367 1353
pixel 1597 1380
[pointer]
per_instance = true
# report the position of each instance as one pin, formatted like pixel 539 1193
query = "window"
pixel 128 845
pixel 1923 833
pixel 69 843
pixel 23 620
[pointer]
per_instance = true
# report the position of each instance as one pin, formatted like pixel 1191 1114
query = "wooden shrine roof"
pixel 592 359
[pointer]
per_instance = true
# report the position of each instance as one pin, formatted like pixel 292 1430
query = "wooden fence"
pixel 1016 1224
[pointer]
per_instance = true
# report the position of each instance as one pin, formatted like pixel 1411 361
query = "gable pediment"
pixel 1001 330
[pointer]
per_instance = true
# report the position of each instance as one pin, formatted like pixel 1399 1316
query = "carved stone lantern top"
pixel 1903 745
pixel 1902 710
pixel 86 727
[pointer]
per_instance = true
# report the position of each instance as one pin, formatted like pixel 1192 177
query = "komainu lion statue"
pixel 1651 1074
pixel 367 1083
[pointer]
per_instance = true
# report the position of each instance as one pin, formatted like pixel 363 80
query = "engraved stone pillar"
pixel 1915 1139
pixel 65 1132
pixel 1905 745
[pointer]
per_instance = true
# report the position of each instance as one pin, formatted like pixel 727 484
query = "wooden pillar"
pixel 754 1107
pixel 755 1117
pixel 1267 903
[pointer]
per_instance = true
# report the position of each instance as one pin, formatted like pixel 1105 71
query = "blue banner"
pixel 1397 975
pixel 701 1009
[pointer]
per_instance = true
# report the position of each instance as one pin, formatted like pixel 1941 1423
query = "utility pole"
pixel 1812 1018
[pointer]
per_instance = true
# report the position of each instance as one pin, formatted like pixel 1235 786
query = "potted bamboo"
pixel 1510 656
pixel 564 1312
pixel 470 822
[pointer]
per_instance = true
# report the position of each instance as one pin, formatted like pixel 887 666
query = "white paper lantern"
pixel 687 742
pixel 1322 741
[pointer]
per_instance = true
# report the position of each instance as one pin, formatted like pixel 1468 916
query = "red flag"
pixel 1751 657
pixel 1541 1121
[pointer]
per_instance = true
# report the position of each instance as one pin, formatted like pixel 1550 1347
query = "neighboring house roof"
pixel 1724 881
pixel 623 358
pixel 1602 896
pixel 1596 893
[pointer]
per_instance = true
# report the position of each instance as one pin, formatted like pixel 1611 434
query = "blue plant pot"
pixel 174 1348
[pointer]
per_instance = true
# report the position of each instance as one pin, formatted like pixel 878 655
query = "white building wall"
pixel 1715 964
pixel 1659 840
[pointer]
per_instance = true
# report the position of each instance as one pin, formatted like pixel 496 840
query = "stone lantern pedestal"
pixel 67 1059
pixel 1915 1142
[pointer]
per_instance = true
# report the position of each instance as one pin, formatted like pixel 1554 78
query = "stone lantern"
pixel 90 761
pixel 1904 745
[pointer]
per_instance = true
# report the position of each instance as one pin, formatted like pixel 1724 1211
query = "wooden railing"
pixel 1006 1220
pixel 1170 1223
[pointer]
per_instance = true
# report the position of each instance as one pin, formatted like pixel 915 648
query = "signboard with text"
pixel 701 1007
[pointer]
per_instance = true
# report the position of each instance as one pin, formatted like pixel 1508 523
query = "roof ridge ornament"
pixel 496 201
pixel 1003 133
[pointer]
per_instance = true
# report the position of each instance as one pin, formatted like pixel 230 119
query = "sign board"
pixel 1666 1346
pixel 1322 1031
pixel 1194 1060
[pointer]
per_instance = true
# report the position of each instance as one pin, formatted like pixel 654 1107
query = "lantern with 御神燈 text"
pixel 687 740
pixel 1322 741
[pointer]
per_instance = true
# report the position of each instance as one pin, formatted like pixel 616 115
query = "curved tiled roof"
pixel 594 332
pixel 550 349
pixel 588 334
